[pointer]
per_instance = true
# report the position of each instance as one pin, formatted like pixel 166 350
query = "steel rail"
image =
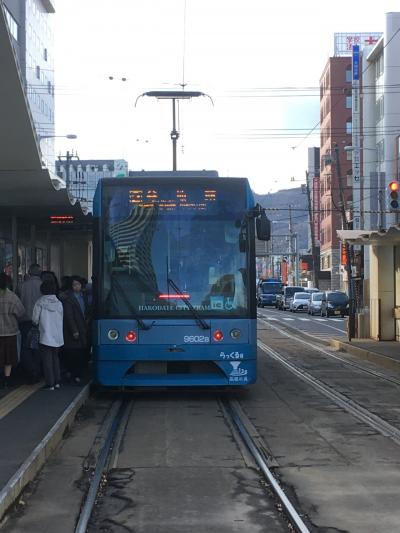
pixel 332 355
pixel 258 456
pixel 359 412
pixel 87 508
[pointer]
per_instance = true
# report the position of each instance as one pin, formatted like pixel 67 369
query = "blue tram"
pixel 174 276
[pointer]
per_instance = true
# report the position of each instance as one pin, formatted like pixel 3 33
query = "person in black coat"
pixel 76 329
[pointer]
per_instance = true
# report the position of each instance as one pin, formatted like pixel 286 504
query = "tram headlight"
pixel 113 334
pixel 236 334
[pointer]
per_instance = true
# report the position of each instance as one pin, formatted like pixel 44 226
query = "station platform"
pixel 383 353
pixel 32 423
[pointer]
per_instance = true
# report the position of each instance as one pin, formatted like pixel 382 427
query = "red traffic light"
pixel 394 186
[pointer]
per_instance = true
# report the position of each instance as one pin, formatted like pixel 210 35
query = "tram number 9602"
pixel 191 339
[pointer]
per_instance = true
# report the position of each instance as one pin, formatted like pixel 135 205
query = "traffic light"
pixel 394 187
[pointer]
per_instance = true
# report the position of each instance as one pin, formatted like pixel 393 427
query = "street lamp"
pixel 353 149
pixel 46 162
pixel 68 136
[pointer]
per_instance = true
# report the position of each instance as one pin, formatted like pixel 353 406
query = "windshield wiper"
pixel 181 295
pixel 131 307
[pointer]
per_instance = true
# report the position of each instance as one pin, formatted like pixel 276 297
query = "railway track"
pixel 108 459
pixel 358 411
pixel 331 355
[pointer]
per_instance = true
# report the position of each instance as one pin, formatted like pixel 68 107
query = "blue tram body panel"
pixel 175 341
pixel 174 269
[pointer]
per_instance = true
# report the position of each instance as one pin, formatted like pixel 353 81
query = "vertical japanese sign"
pixel 356 167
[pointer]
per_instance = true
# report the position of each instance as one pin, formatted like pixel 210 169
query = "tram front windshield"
pixel 165 246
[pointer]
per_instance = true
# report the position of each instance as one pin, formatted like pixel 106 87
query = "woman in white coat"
pixel 48 315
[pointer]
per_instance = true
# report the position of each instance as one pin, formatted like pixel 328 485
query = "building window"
pixel 349 155
pixel 397 158
pixel 349 74
pixel 349 126
pixel 12 24
pixel 45 54
pixel 38 72
pixel 49 87
pixel 348 102
pixel 379 109
pixel 349 178
pixel 379 66
pixel 380 151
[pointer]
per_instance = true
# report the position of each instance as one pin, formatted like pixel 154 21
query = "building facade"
pixel 335 180
pixel 30 23
pixel 381 125
pixel 83 175
pixel 381 165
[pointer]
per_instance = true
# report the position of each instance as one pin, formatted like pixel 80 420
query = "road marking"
pixel 16 397
pixel 284 318
pixel 304 319
pixel 320 319
pixel 337 319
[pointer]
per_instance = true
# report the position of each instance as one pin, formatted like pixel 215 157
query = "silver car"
pixel 314 307
pixel 299 302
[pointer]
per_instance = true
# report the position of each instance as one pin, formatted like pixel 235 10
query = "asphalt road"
pixel 314 326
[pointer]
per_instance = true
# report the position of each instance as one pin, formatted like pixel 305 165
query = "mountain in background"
pixel 277 205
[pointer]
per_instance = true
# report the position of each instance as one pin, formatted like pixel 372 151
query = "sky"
pixel 253 59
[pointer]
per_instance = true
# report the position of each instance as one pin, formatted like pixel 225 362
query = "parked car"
pixel 335 303
pixel 311 290
pixel 283 303
pixel 314 307
pixel 300 301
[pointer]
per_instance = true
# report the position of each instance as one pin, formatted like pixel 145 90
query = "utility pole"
pixel 315 265
pixel 68 158
pixel 290 276
pixel 174 134
pixel 346 225
pixel 174 96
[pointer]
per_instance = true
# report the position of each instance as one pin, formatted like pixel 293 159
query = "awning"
pixel 389 237
pixel 25 186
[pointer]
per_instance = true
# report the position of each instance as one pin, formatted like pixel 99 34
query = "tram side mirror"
pixel 263 227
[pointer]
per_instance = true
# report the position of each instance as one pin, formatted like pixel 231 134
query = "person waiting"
pixel 48 316
pixel 11 310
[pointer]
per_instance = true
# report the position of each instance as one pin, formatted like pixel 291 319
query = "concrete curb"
pixel 31 466
pixel 379 359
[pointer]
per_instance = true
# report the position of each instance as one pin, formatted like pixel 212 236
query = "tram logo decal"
pixel 236 371
pixel 232 355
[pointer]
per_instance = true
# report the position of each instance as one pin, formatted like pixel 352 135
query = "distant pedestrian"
pixel 65 285
pixel 8 271
pixel 30 293
pixel 76 345
pixel 11 310
pixel 48 316
pixel 49 274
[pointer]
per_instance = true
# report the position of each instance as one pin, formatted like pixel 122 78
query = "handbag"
pixel 33 337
